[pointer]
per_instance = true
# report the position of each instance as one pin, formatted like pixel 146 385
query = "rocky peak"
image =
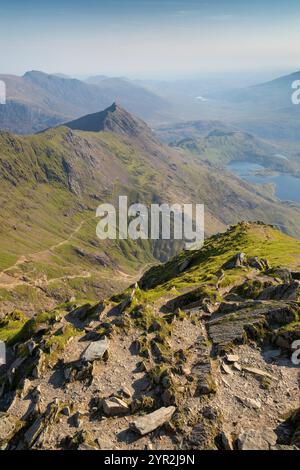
pixel 114 119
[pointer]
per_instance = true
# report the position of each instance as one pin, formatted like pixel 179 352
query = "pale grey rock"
pixel 95 350
pixel 114 406
pixel 152 421
pixel 257 439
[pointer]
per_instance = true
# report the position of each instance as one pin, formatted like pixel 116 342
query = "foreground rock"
pixel 9 426
pixel 114 406
pixel 96 350
pixel 152 421
pixel 254 439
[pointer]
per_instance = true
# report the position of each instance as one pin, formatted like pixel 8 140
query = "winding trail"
pixel 10 282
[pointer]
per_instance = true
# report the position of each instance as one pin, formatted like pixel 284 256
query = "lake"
pixel 287 186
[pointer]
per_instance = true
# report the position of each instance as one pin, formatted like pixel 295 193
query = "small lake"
pixel 287 186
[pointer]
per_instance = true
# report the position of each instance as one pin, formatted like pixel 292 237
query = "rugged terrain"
pixel 52 183
pixel 219 144
pixel 196 355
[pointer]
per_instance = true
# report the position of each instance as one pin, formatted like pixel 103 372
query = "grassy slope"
pixel 253 239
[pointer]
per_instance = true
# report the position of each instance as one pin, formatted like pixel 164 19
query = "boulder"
pixel 96 350
pixel 152 421
pixel 290 291
pixel 236 261
pixel 232 358
pixel 260 264
pixel 257 439
pixel 9 426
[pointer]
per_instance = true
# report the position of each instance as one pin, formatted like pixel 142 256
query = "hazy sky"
pixel 154 38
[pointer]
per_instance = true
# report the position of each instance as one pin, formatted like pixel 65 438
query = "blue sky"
pixel 149 38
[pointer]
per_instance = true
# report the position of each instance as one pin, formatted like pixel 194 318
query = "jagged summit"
pixel 114 119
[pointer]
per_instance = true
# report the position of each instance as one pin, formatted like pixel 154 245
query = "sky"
pixel 149 38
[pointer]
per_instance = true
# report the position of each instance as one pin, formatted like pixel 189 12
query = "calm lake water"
pixel 287 186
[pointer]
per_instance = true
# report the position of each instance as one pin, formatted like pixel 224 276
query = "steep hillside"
pixel 198 355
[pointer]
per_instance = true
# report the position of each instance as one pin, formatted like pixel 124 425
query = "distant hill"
pixel 266 109
pixel 275 94
pixel 219 144
pixel 37 100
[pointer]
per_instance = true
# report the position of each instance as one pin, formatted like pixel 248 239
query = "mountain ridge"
pixel 38 100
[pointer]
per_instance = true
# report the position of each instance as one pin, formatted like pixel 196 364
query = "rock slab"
pixel 152 421
pixel 95 350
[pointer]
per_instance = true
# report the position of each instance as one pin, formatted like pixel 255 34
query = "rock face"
pixel 240 260
pixel 95 350
pixel 232 328
pixel 290 291
pixel 152 421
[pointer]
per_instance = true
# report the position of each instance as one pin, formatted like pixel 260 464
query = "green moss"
pixel 11 326
pixel 55 344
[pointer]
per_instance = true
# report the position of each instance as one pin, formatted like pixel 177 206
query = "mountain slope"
pixel 200 359
pixel 266 109
pixel 52 183
pixel 275 94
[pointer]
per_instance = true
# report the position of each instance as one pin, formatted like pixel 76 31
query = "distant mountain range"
pixel 37 100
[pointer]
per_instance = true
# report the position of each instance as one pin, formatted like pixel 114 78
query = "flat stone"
pixel 126 392
pixel 226 369
pixel 232 358
pixel 272 354
pixel 259 372
pixel 114 406
pixel 249 402
pixel 95 350
pixel 152 421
